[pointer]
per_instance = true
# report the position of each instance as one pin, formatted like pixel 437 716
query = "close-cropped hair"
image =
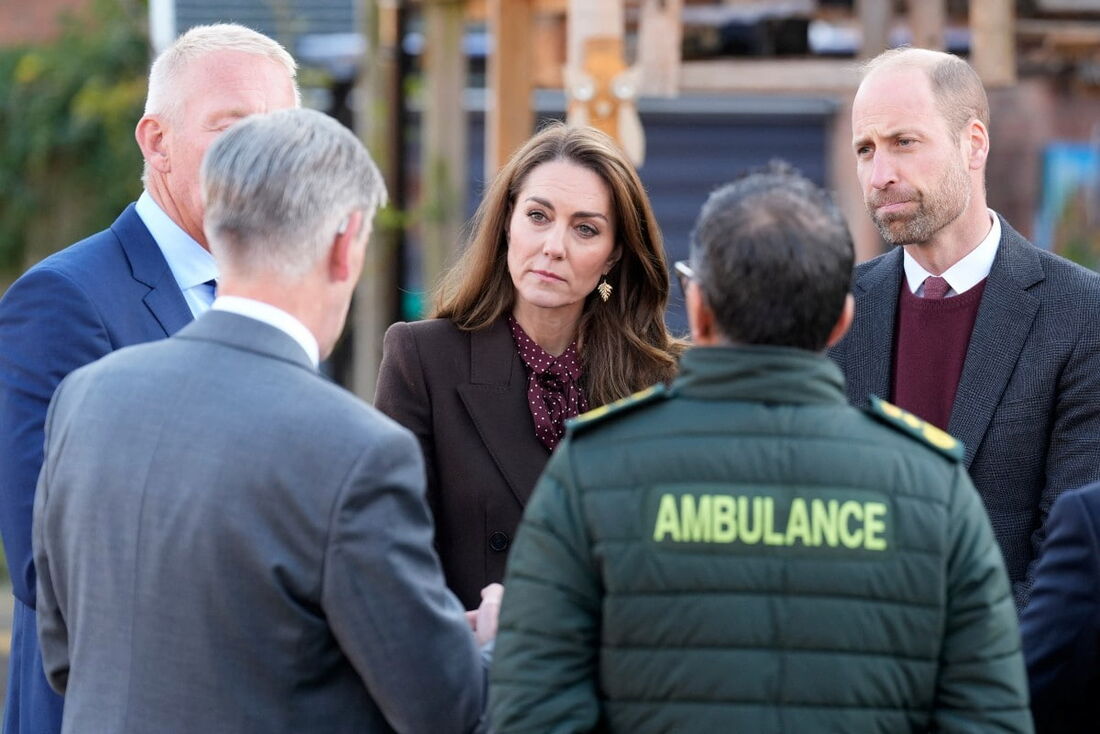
pixel 773 257
pixel 960 95
pixel 162 97
pixel 623 343
pixel 277 187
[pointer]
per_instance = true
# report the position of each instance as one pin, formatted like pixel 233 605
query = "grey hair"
pixel 162 97
pixel 960 96
pixel 277 187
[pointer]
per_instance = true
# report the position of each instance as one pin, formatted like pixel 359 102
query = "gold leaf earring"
pixel 604 288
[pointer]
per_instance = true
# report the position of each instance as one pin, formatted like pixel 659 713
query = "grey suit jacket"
pixel 226 542
pixel 1028 402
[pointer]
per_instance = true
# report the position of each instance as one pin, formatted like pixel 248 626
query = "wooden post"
pixel 927 19
pixel 589 19
pixel 875 19
pixel 600 88
pixel 660 34
pixel 844 183
pixel 993 41
pixel 443 162
pixel 379 119
pixel 510 118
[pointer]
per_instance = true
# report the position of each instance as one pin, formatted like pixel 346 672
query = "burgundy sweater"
pixel 930 341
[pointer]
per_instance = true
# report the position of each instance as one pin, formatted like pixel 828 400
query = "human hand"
pixel 483 620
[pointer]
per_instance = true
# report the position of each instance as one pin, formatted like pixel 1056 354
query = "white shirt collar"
pixel 272 316
pixel 967 272
pixel 190 262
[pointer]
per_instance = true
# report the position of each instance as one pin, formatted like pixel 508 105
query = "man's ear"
pixel 843 322
pixel 704 326
pixel 151 135
pixel 977 141
pixel 343 252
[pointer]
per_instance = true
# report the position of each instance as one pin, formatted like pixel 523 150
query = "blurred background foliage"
pixel 68 160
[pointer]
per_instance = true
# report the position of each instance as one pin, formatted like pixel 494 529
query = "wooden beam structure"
pixel 770 76
pixel 600 87
pixel 876 17
pixel 443 160
pixel 993 41
pixel 927 21
pixel 510 118
pixel 660 34
pixel 380 122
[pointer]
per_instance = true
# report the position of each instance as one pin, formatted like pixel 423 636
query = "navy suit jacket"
pixel 1027 407
pixel 108 291
pixel 1061 625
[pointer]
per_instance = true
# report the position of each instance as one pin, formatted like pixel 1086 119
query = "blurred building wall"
pixel 31 22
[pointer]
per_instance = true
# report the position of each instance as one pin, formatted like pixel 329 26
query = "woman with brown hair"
pixel 555 306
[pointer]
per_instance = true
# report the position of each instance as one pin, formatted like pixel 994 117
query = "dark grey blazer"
pixel 227 542
pixel 1028 402
pixel 464 395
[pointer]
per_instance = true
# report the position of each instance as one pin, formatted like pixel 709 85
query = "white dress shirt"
pixel 967 272
pixel 191 264
pixel 272 316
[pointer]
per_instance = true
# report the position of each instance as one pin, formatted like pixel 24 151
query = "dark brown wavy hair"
pixel 623 343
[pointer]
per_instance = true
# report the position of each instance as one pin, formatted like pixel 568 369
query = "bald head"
pixel 959 94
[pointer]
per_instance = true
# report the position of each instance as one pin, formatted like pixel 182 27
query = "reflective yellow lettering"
pixel 849 511
pixel 748 536
pixel 725 530
pixel 695 519
pixel 825 521
pixel 874 526
pixel 798 522
pixel 668 520
pixel 770 536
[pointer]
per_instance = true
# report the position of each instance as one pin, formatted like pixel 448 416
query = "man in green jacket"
pixel 743 551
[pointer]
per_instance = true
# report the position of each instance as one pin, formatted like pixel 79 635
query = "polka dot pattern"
pixel 553 386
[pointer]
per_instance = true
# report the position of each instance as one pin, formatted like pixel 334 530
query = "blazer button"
pixel 499 541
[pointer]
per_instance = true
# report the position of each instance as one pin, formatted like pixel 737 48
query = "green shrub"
pixel 68 160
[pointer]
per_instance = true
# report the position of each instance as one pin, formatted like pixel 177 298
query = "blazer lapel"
pixel 148 266
pixel 496 399
pixel 1004 320
pixel 871 340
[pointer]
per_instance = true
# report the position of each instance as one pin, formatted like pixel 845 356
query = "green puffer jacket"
pixel 744 552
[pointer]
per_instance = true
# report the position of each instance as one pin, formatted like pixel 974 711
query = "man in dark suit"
pixel 226 541
pixel 967 324
pixel 142 279
pixel 1061 625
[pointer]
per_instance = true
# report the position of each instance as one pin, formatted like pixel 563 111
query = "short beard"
pixel 936 208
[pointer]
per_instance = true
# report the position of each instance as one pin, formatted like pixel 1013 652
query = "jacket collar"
pixel 247 334
pixel 148 266
pixel 759 374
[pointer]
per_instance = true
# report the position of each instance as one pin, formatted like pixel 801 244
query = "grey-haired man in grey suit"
pixel 226 541
pixel 967 324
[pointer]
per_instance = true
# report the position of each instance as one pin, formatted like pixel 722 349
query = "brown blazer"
pixel 464 395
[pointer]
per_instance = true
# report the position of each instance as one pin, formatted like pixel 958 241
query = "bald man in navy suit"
pixel 140 280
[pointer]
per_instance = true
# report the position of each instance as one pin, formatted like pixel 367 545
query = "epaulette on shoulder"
pixel 911 425
pixel 619 407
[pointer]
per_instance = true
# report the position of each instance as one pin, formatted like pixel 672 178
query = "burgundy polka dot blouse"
pixel 553 386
